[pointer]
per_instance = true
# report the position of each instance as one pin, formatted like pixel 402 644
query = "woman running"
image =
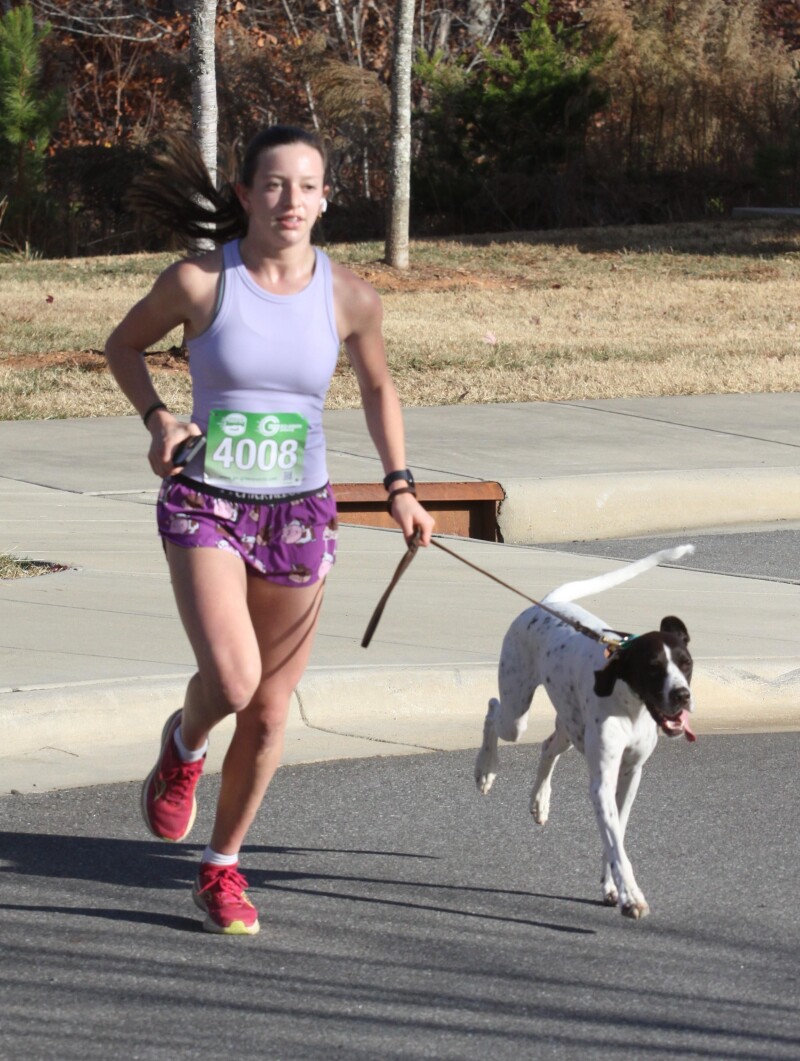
pixel 249 520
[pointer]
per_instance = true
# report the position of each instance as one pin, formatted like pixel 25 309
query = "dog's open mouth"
pixel 675 725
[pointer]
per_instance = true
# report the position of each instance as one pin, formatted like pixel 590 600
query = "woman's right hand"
pixel 166 434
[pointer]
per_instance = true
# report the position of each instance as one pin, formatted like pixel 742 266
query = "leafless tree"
pixel 111 41
pixel 479 19
pixel 203 70
pixel 312 107
pixel 123 19
pixel 202 66
pixel 400 158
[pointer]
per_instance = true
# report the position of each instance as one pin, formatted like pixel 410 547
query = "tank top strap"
pixel 324 265
pixel 230 254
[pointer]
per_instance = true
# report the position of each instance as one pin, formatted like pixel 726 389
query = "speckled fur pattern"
pixel 601 708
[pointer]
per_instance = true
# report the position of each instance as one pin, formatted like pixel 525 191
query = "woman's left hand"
pixel 409 515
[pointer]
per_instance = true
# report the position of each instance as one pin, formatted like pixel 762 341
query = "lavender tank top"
pixel 266 353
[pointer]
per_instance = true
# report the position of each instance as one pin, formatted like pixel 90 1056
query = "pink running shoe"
pixel 220 892
pixel 168 803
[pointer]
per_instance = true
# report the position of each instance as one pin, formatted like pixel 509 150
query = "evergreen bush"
pixel 28 115
pixel 494 133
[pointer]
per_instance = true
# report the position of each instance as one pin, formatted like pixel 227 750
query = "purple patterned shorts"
pixel 291 541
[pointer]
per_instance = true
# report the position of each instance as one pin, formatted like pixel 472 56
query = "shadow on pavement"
pixel 154 866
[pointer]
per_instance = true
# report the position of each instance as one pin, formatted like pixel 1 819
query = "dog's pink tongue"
pixel 687 729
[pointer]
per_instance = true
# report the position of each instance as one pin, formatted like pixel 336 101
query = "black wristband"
pixel 392 477
pixel 153 408
pixel 394 493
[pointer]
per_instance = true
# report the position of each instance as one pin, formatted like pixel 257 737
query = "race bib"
pixel 255 449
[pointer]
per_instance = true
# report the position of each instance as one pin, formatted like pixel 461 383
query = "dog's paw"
pixel 540 806
pixel 486 766
pixel 609 886
pixel 635 909
pixel 484 781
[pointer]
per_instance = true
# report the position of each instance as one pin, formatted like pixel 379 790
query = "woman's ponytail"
pixel 176 193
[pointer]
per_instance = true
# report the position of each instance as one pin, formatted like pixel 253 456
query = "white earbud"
pixel 323 205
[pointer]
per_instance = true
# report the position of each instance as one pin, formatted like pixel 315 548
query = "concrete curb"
pixel 624 505
pixel 431 705
pixel 605 469
pixel 104 732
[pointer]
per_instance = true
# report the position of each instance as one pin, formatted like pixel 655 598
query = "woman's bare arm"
pixel 360 320
pixel 182 296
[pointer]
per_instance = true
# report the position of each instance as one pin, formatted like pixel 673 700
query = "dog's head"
pixel 658 668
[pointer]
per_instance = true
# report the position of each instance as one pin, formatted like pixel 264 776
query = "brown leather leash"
pixel 402 567
pixel 413 547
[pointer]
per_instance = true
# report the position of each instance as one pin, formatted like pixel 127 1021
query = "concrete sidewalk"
pixel 94 658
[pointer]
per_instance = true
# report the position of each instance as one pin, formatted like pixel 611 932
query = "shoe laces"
pixel 228 881
pixel 180 780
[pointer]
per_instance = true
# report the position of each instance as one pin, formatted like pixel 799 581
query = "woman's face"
pixel 283 202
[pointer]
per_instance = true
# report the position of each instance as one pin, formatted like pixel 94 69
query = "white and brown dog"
pixel 611 708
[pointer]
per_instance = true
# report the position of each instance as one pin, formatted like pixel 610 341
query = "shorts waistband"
pixel 240 495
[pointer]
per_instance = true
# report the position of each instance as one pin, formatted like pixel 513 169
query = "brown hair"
pixel 176 192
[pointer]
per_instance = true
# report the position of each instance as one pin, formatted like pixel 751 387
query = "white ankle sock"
pixel 186 755
pixel 216 859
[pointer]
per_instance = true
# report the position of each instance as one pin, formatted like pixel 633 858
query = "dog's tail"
pixel 572 591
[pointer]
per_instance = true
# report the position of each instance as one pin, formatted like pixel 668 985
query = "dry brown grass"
pixel 18 567
pixel 693 85
pixel 545 316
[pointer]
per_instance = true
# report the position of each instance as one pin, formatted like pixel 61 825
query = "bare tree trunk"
pixel 341 25
pixel 443 23
pixel 312 109
pixel 400 158
pixel 202 66
pixel 479 19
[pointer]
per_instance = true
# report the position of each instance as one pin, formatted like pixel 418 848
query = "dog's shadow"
pixel 152 865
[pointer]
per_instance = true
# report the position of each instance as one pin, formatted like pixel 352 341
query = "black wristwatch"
pixel 393 477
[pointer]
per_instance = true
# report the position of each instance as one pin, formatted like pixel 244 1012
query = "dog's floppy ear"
pixel 671 624
pixel 605 679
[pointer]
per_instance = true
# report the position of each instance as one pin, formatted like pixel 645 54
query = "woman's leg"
pixel 211 591
pixel 284 619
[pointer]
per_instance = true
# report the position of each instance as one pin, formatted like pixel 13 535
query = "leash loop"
pixel 402 567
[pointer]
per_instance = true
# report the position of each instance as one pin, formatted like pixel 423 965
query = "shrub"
pixel 28 116
pixel 696 88
pixel 495 132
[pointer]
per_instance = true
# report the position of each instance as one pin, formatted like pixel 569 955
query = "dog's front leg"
pixel 627 786
pixel 604 756
pixel 486 764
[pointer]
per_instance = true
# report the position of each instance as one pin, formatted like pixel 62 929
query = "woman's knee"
pixel 233 686
pixel 264 721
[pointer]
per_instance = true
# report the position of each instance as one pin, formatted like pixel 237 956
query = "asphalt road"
pixel 405 916
pixel 769 551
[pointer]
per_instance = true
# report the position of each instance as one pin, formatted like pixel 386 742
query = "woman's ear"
pixel 243 195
